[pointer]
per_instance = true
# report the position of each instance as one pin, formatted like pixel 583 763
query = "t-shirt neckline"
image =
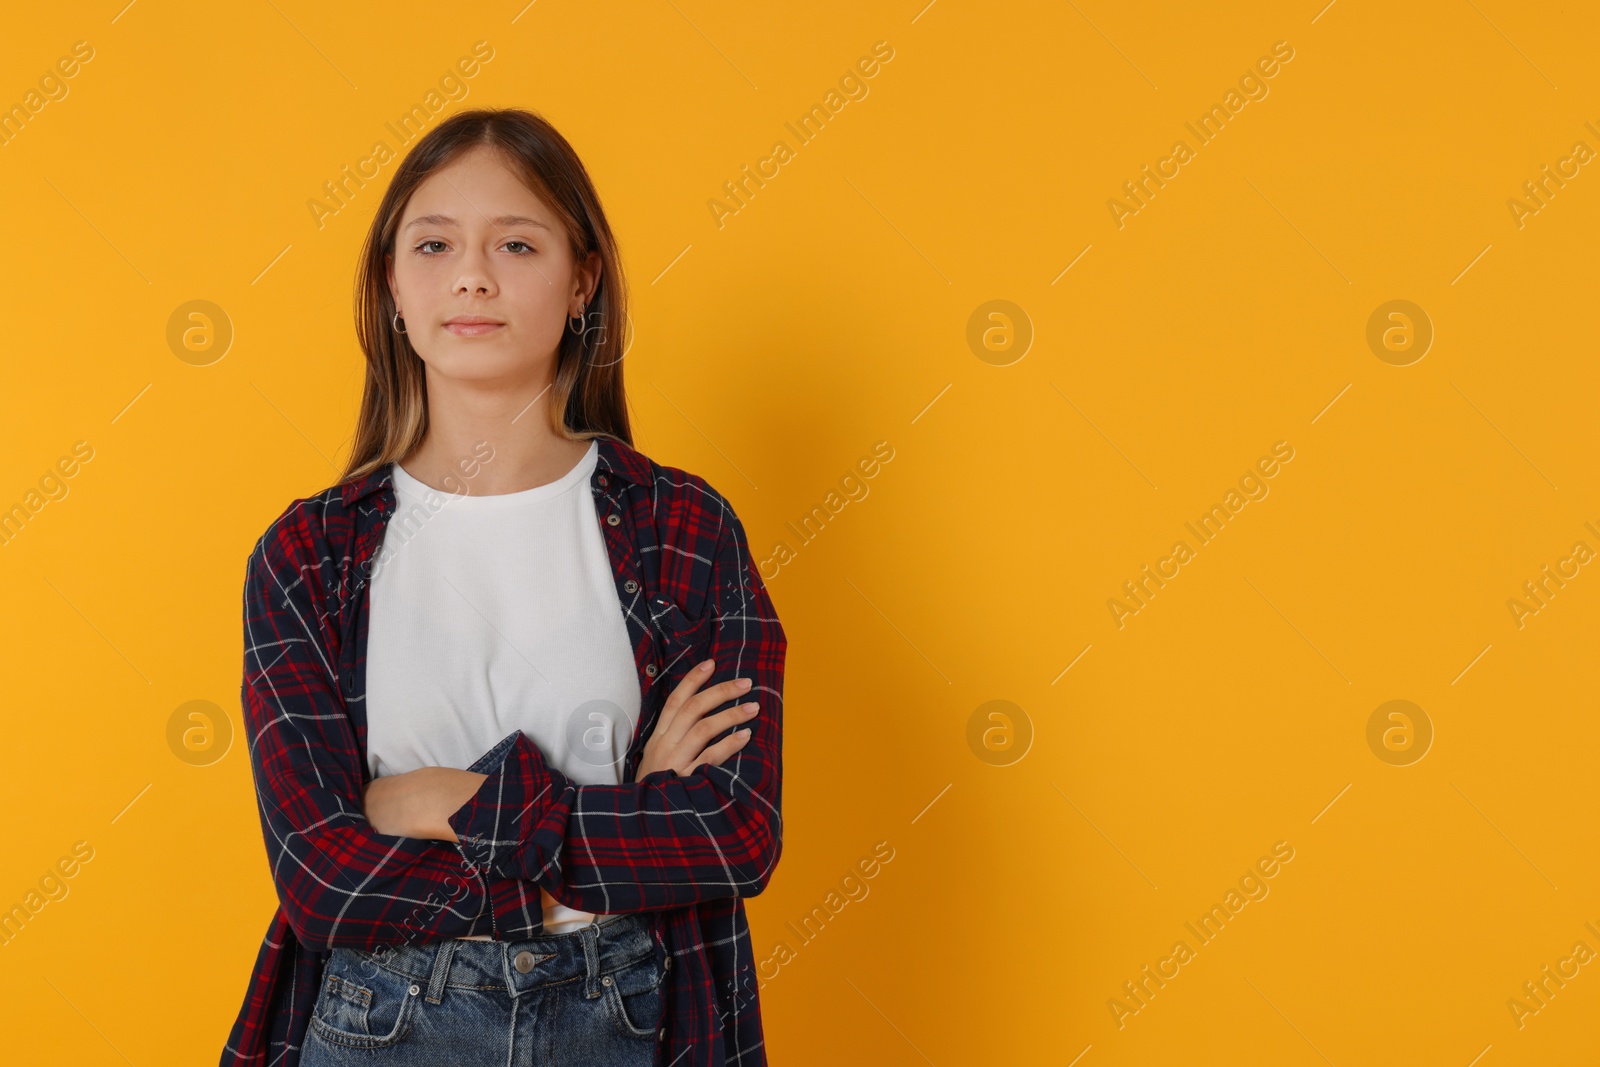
pixel 410 488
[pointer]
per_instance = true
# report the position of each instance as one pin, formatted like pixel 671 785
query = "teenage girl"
pixel 508 654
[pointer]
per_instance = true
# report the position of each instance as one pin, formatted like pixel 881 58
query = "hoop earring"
pixel 396 323
pixel 576 319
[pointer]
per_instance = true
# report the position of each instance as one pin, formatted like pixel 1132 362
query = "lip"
pixel 472 325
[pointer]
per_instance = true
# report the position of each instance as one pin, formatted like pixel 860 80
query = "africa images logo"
pixel 1252 486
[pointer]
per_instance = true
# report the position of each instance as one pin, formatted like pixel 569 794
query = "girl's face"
pixel 476 244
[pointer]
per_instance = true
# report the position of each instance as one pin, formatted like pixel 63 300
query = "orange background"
pixel 1042 858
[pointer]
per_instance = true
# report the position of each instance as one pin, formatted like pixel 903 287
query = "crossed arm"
pixel 420 803
pixel 347 876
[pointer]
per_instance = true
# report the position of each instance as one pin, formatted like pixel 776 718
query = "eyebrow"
pixel 503 221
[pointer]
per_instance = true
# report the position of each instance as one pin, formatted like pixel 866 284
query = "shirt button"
pixel 630 586
pixel 613 519
pixel 650 669
pixel 523 962
pixel 603 480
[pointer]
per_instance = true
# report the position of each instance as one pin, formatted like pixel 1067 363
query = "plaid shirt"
pixel 685 851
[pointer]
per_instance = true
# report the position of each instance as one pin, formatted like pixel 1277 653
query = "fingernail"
pixel 744 683
pixel 706 666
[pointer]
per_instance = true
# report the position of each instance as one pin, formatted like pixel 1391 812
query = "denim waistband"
pixel 586 953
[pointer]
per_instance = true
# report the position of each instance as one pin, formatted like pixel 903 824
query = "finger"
pixel 714 725
pixel 721 693
pixel 717 753
pixel 695 677
pixel 685 715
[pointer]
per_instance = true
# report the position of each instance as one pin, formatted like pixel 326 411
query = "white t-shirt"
pixel 498 613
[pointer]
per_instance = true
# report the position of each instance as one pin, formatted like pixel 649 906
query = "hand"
pixel 419 803
pixel 679 739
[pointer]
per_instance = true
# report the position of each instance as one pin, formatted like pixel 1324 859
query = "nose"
pixel 475 275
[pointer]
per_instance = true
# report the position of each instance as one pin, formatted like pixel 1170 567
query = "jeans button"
pixel 523 962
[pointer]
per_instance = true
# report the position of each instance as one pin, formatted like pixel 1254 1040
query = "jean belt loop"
pixel 441 969
pixel 590 936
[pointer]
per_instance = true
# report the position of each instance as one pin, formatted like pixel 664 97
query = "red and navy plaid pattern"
pixel 685 851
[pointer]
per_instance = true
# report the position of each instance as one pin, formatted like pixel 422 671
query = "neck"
pixel 490 438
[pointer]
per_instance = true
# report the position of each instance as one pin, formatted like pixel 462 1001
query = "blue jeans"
pixel 592 996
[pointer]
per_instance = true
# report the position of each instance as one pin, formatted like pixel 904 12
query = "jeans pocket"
pixel 362 1005
pixel 635 997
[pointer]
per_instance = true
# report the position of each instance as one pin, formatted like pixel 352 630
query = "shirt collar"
pixel 615 457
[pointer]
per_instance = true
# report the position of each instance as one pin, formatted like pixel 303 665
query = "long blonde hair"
pixel 587 398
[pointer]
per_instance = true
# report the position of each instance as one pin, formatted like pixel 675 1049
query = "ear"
pixel 589 277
